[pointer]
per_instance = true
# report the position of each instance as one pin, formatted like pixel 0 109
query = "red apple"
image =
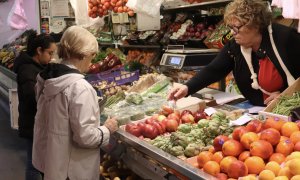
pixel 188 118
pixel 199 115
pixel 174 116
pixel 171 125
pixel 185 112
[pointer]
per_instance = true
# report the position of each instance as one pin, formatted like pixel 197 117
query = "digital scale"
pixel 187 57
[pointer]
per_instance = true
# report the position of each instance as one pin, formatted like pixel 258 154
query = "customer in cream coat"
pixel 67 131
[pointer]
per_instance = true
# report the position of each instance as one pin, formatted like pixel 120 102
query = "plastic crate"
pixel 119 76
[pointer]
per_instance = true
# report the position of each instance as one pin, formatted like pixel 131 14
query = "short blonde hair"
pixel 253 13
pixel 77 42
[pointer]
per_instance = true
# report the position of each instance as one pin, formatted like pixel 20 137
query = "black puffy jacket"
pixel 27 70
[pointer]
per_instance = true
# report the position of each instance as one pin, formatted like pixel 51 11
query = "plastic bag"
pixel 149 7
pixel 17 18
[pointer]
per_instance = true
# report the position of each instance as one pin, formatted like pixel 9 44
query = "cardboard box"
pixel 267 112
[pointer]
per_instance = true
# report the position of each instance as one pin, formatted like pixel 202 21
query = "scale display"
pixel 174 60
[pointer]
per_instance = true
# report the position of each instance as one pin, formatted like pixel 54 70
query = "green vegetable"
pixel 193 149
pixel 185 128
pixel 203 123
pixel 134 98
pixel 287 103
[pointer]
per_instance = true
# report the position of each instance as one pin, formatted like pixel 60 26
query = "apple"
pixel 160 118
pixel 174 116
pixel 188 118
pixel 166 110
pixel 185 112
pixel 199 115
pixel 171 125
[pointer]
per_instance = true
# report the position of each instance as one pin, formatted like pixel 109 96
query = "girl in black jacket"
pixel 40 50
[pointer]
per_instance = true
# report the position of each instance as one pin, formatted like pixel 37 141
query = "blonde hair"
pixel 253 13
pixel 77 42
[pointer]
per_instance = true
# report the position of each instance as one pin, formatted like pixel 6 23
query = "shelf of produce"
pixel 162 157
pixel 205 4
pixel 139 46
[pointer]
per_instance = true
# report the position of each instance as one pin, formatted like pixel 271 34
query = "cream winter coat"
pixel 67 131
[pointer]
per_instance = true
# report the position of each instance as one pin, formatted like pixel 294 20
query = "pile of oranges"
pixel 269 150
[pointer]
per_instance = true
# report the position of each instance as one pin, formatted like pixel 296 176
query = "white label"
pixel 242 120
pixel 209 111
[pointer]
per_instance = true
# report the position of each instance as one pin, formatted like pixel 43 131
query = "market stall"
pixel 196 138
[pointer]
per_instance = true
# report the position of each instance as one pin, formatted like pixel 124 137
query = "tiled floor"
pixel 12 148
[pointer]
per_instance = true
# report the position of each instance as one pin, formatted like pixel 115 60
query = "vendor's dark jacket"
pixel 27 70
pixel 230 58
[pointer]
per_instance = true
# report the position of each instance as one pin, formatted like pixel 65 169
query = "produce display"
pixel 266 150
pixel 287 103
pixel 101 7
pixel 183 135
pixel 10 51
pixel 145 57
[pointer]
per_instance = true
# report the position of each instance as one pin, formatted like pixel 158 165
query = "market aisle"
pixel 12 148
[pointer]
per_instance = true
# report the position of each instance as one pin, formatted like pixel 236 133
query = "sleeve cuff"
pixel 106 135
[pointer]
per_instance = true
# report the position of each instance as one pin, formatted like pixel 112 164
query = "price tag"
pixel 242 120
pixel 115 18
pixel 209 111
pixel 123 18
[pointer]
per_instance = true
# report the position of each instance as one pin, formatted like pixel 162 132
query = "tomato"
pixel 150 131
pixel 134 130
pixel 163 126
pixel 149 121
pixel 158 127
pixel 141 125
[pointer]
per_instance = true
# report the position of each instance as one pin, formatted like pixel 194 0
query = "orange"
pixel 283 138
pixel 285 147
pixel 294 166
pixel 288 128
pixel 274 167
pixel 248 138
pixel 255 164
pixel 285 172
pixel 271 135
pixel 204 157
pixel 295 137
pixel 261 148
pixel 212 168
pixel 275 123
pixel 212 150
pixel 281 178
pixel 225 162
pixel 232 148
pixel 244 155
pixel 277 157
pixel 294 155
pixel 266 175
pixel 249 177
pixel 221 176
pixel 218 156
pixel 297 177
